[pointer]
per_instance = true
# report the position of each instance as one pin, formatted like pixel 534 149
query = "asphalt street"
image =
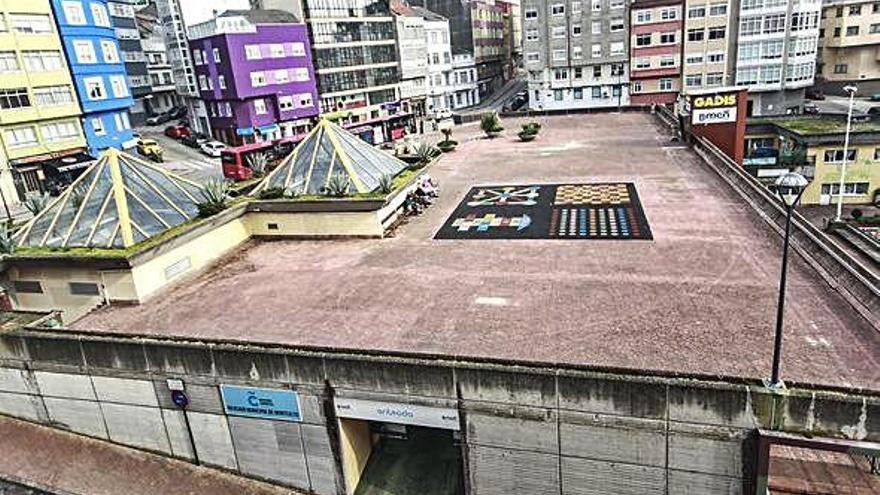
pixel 183 160
pixel 840 105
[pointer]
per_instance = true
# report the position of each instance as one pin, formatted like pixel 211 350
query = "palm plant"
pixel 386 184
pixel 491 124
pixel 338 185
pixel 215 194
pixel 426 152
pixel 258 163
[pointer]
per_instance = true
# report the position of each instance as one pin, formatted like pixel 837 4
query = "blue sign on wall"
pixel 265 403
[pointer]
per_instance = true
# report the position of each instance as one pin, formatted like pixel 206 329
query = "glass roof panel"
pixel 147 192
pixel 91 208
pixel 106 226
pixel 142 217
pixel 321 168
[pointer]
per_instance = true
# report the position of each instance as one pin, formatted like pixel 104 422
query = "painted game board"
pixel 549 211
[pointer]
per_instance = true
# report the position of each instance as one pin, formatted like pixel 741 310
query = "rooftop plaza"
pixel 696 296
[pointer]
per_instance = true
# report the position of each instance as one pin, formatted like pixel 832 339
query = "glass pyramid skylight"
pixel 329 150
pixel 116 203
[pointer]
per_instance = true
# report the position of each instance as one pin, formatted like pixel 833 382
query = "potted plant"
pixel 529 131
pixel 215 197
pixel 491 125
pixel 448 144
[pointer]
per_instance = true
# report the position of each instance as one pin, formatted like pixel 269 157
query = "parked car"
pixel 212 148
pixel 177 112
pixel 810 108
pixel 158 119
pixel 177 131
pixel 875 97
pixel 815 94
pixel 873 112
pixel 149 148
pixel 194 140
pixel 443 113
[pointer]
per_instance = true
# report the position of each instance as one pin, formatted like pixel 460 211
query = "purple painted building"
pixel 254 72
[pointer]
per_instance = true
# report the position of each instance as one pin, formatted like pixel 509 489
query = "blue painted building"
pixel 98 70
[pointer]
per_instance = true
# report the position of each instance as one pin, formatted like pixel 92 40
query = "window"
pixel 717 33
pixel 85 52
pixel 667 38
pixel 876 154
pixel 578 72
pixel 557 9
pixel 73 12
pixel 616 69
pixel 532 34
pixel 637 86
pixel 558 32
pixel 667 61
pixel 836 155
pixel 8 62
pixel 558 94
pixel 576 30
pixel 197 57
pixel 258 79
pixel 718 9
pixel 304 100
pixel 53 95
pixel 558 55
pixel 121 120
pixel 203 82
pixel 715 57
pixel 643 39
pixel 301 74
pixel 597 71
pixel 852 31
pixel 855 10
pixel 643 16
pixel 533 57
pixel 216 53
pixel 577 52
pixel 616 47
pixel 95 88
pixel 98 126
pixel 99 15
pixel 252 52
pixel 617 4
pixel 84 289
pixel 616 25
pixel 578 93
pixel 30 23
pixel 837 32
pixel 27 287
pixel 774 24
pixel 530 14
pixel 260 106
pixel 119 87
pixel 596 50
pixel 669 13
pixel 615 91
pixel 747 76
pixel 771 75
pixel 560 74
pixel 285 103
pixel 59 131
pixel 221 81
pixel 714 79
pixel 643 63
pixel 693 58
pixel 20 136
pixel 14 98
pixel 596 5
pixel 840 69
pixel 111 56
pixel 597 92
pixel 281 76
pixel 874 29
pixel 693 80
pixel 696 34
pixel 596 27
pixel 665 84
pixel 696 12
pixel 849 188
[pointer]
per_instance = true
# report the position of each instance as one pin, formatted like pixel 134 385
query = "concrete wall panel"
pixel 175 427
pixel 136 425
pixel 321 463
pixel 613 439
pixel 65 385
pixel 123 391
pixel 252 366
pixel 202 398
pixel 387 377
pixel 81 416
pixel 726 407
pixel 22 406
pixel 212 438
pixel 589 477
pixel 495 471
pixel 505 387
pixel 270 449
pixel 16 381
pixel 178 360
pixel 513 433
pixel 687 483
pixel 705 455
pixel 620 397
pixel 114 356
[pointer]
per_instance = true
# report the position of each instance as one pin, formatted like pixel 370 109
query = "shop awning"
pixel 72 162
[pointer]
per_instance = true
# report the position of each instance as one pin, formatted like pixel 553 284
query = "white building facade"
pixel 412 45
pixel 463 80
pixel 440 93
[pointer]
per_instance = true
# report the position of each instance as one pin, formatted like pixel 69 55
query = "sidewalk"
pixel 59 462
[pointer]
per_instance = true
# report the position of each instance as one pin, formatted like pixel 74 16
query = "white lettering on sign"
pixel 713 115
pixel 391 412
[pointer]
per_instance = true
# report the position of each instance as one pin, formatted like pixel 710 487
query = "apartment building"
pixel 41 135
pixel 576 53
pixel 655 51
pixel 849 38
pixel 122 16
pixel 254 73
pixel 776 53
pixel 412 45
pixel 464 81
pixel 440 95
pixel 709 37
pixel 95 61
pixel 152 34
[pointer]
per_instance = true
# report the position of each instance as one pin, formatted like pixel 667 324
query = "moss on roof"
pixel 819 125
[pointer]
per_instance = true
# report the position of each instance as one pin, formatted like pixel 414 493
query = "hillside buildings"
pixel 655 51
pixel 412 45
pixel 849 37
pixel 254 73
pixel 98 70
pixel 152 34
pixel 576 54
pixel 709 47
pixel 122 16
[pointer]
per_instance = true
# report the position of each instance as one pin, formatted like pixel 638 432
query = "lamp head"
pixel 850 89
pixel 789 187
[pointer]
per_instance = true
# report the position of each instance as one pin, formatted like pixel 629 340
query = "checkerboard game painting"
pixel 555 211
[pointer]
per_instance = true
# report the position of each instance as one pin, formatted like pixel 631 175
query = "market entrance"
pixel 399 449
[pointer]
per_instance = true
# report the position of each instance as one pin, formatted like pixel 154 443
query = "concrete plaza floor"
pixel 700 298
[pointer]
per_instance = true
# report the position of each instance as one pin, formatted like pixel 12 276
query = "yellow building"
pixel 848 42
pixel 814 146
pixel 39 111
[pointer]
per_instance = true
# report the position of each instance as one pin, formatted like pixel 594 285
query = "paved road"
pixel 497 99
pixel 840 104
pixel 183 160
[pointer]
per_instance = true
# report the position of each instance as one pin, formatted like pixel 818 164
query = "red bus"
pixel 235 160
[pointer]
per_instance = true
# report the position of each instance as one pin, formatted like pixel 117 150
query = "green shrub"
pixel 490 123
pixel 426 153
pixel 272 193
pixel 531 128
pixel 338 185
pixel 386 184
pixel 259 163
pixel 215 195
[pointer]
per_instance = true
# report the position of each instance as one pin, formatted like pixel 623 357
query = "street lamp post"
pixel 852 93
pixel 789 187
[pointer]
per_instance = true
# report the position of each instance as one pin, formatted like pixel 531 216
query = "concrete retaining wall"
pixel 526 429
